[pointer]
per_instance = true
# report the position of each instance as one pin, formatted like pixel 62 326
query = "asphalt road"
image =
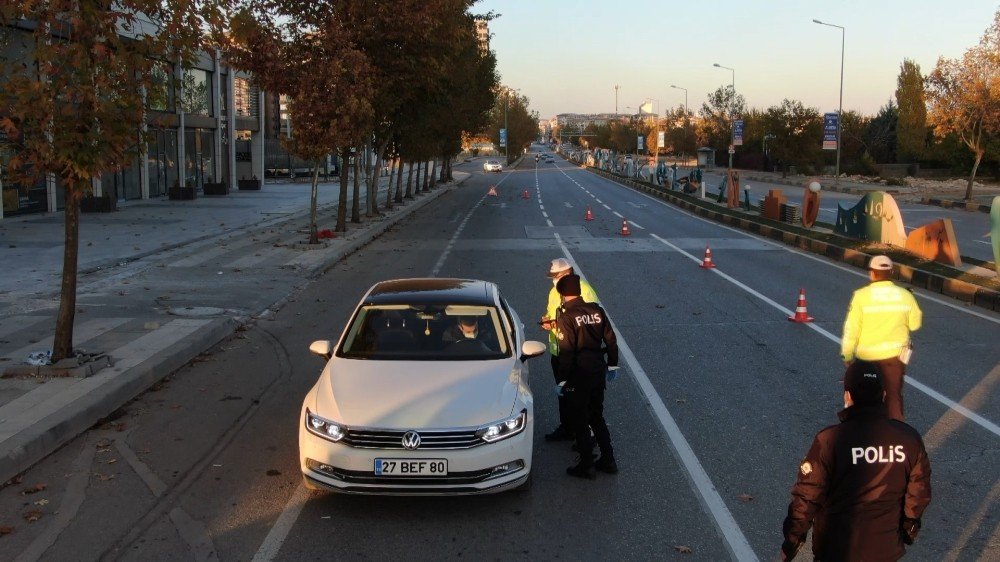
pixel 718 401
pixel 972 228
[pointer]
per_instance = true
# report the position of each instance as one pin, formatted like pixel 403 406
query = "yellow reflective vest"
pixel 879 322
pixel 586 293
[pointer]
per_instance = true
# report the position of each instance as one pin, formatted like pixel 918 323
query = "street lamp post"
pixel 840 106
pixel 506 131
pixel 616 99
pixel 732 116
pixel 685 107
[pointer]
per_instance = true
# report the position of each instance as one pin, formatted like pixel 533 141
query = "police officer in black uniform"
pixel 583 331
pixel 865 482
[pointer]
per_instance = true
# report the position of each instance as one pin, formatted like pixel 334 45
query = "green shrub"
pixel 895 181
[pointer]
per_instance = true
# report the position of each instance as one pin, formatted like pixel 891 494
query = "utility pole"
pixel 616 99
pixel 732 116
pixel 840 107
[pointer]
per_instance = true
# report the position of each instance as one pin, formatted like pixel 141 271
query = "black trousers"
pixel 563 420
pixel 585 405
pixel 893 371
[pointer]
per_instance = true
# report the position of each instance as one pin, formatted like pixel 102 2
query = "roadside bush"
pixel 895 181
pixel 868 167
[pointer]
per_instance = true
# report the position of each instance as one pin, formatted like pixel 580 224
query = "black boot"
pixel 583 469
pixel 559 434
pixel 607 465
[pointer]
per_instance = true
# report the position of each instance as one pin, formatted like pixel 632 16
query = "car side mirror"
pixel 531 349
pixel 323 348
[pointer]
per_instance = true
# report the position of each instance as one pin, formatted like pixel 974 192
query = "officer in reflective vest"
pixel 865 482
pixel 878 325
pixel 560 268
pixel 585 337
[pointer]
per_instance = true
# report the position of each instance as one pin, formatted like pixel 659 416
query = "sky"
pixel 567 55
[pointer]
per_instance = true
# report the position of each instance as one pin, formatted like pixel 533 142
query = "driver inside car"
pixel 467 329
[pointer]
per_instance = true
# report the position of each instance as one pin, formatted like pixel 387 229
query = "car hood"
pixel 417 394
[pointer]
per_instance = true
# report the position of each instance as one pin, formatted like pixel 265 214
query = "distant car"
pixel 411 403
pixel 492 166
pixel 550 159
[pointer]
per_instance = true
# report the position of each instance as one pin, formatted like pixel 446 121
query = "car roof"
pixel 433 291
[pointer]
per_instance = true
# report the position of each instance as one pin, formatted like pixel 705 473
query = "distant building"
pixel 483 36
pixel 205 126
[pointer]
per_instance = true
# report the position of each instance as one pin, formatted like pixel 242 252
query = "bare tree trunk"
pixel 399 180
pixel 345 154
pixel 355 209
pixel 434 172
pixel 388 189
pixel 450 176
pixel 426 181
pixel 313 195
pixel 409 181
pixel 416 181
pixel 62 345
pixel 444 169
pixel 972 176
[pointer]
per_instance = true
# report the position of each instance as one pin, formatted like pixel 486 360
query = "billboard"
pixel 738 132
pixel 830 121
pixel 639 139
pixel 503 138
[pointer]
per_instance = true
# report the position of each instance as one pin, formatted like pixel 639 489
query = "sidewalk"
pixel 160 281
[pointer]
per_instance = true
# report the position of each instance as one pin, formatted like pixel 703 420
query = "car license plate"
pixel 411 467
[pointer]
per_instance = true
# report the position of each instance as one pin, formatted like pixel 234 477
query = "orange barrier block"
pixel 935 241
pixel 773 201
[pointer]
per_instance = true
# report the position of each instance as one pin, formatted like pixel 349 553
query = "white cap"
pixel 559 265
pixel 880 263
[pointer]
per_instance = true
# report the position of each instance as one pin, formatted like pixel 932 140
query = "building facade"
pixel 204 125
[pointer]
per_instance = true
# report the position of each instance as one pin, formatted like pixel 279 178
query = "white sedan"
pixel 426 392
pixel 492 166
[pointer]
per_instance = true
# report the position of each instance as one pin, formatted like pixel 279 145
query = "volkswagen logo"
pixel 411 440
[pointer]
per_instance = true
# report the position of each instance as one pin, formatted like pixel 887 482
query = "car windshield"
pixel 426 333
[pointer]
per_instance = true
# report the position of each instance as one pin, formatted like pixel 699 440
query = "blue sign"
pixel 738 133
pixel 503 138
pixel 830 121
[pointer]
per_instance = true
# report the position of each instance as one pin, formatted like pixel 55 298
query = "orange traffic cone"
pixel 589 216
pixel 707 262
pixel 493 191
pixel 525 195
pixel 801 315
pixel 625 231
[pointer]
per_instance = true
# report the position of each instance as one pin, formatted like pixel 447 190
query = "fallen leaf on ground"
pixel 32 516
pixel 274 472
pixel 681 401
pixel 103 443
pixel 112 461
pixel 683 549
pixel 120 426
pixel 143 451
pixel 34 489
pixel 6 530
pixel 744 498
pixel 104 477
pixel 42 501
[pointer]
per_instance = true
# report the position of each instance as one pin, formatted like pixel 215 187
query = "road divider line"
pixel 736 542
pixel 969 414
pixel 279 532
pixel 807 255
pixel 458 231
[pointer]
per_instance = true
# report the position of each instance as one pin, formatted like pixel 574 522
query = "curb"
pixel 34 443
pixel 953 204
pixel 955 288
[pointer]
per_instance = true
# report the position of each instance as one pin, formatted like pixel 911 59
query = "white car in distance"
pixel 425 393
pixel 492 166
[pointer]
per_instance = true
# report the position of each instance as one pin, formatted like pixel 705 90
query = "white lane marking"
pixel 617 214
pixel 972 416
pixel 544 214
pixel 982 242
pixel 540 206
pixel 279 532
pixel 852 270
pixel 605 206
pixel 598 200
pixel 568 205
pixel 548 223
pixel 458 231
pixel 636 225
pixel 737 543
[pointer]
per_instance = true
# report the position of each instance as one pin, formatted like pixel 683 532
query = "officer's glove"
pixel 612 374
pixel 909 529
pixel 560 389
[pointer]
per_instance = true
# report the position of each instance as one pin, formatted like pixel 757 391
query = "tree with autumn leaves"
pixel 77 108
pixel 964 98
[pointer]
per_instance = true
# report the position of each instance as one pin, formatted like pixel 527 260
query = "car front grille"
pixel 429 440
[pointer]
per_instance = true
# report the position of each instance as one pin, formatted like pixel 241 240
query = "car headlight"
pixel 503 428
pixel 323 427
